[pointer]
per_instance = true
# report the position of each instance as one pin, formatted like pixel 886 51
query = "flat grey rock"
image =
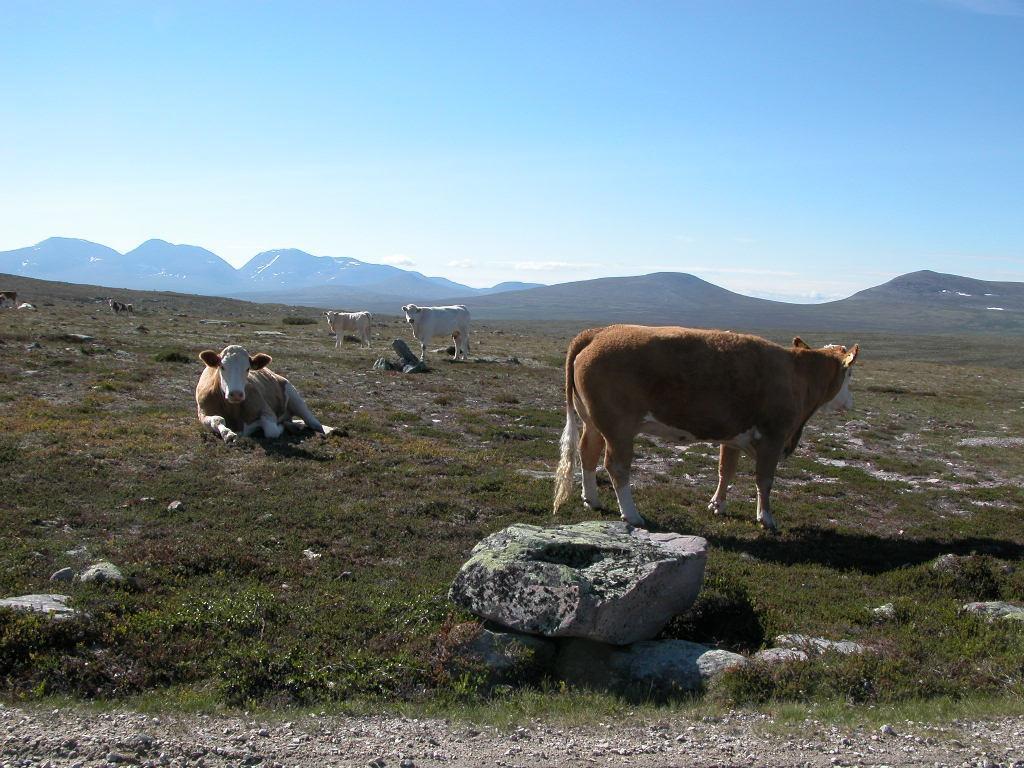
pixel 817 645
pixel 647 668
pixel 600 580
pixel 102 572
pixel 996 610
pixel 54 606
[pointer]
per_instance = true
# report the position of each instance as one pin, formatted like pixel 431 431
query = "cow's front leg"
pixel 618 458
pixel 768 455
pixel 728 461
pixel 219 427
pixel 270 426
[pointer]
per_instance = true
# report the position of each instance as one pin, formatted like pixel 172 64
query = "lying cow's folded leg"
pixel 271 427
pixel 297 406
pixel 728 461
pixel 768 455
pixel 618 457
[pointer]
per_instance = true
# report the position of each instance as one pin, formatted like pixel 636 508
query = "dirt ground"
pixel 81 737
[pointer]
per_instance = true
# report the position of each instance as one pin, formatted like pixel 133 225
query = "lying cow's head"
pixel 412 313
pixel 234 364
pixel 844 397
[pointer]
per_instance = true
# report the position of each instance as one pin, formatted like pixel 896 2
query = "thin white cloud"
pixel 552 266
pixel 398 260
pixel 462 264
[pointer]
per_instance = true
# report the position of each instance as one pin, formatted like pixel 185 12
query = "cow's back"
pixel 713 384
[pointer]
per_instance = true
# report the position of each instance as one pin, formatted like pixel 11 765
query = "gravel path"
pixel 31 737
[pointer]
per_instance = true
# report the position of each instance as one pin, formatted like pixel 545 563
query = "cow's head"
pixel 412 313
pixel 234 364
pixel 843 399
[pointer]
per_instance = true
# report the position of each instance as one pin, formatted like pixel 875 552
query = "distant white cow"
pixel 359 322
pixel 238 395
pixel 428 322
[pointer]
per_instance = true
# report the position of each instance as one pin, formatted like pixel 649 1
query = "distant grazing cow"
pixel 117 307
pixel 428 322
pixel 741 391
pixel 238 394
pixel 359 322
pixel 8 296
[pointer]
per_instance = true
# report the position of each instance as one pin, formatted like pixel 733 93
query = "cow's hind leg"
pixel 457 339
pixel 768 455
pixel 618 458
pixel 298 406
pixel 591 445
pixel 728 460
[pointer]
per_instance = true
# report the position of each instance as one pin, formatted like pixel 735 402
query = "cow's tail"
pixel 569 445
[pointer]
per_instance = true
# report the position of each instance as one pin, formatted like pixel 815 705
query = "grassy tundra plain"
pixel 223 608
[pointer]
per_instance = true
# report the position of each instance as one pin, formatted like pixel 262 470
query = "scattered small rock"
pixel 102 572
pixel 33 345
pixel 996 610
pixel 780 655
pixel 64 574
pixel 309 554
pixel 887 730
pixel 884 612
pixel 176 506
pixel 817 645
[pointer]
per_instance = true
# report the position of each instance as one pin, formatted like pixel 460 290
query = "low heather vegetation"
pixel 311 570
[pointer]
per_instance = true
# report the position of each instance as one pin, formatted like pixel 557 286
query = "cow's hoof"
pixel 325 430
pixel 229 439
pixel 637 522
pixel 595 506
pixel 773 529
pixel 716 507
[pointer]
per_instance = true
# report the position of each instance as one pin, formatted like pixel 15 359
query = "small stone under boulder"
pixel 657 668
pixel 599 580
pixel 507 657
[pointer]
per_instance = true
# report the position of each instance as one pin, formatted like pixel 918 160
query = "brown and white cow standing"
pixel 237 395
pixel 117 307
pixel 689 385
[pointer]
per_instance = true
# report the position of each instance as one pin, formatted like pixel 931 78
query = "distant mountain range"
pixel 159 265
pixel 919 302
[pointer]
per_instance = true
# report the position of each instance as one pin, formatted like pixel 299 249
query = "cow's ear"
pixel 851 358
pixel 800 343
pixel 210 357
pixel 259 360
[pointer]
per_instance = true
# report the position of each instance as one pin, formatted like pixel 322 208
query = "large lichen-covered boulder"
pixel 603 581
pixel 658 668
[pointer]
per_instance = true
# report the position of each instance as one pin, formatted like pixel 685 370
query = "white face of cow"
pixel 844 397
pixel 234 364
pixel 412 313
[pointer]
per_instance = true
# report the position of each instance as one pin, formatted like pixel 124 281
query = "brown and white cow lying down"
pixel 238 395
pixel 688 385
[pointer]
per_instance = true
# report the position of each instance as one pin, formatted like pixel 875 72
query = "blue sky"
pixel 798 150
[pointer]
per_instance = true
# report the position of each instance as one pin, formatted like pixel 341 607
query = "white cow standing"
pixel 339 322
pixel 428 322
pixel 237 395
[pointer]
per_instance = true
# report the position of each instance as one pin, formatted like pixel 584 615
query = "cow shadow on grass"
pixel 861 552
pixel 287 446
